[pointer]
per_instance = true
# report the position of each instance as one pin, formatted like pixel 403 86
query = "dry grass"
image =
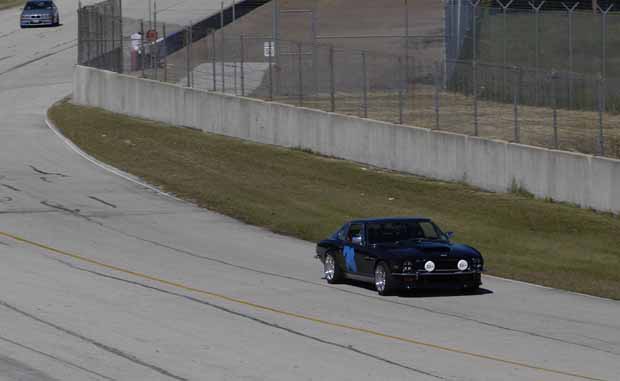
pixel 309 196
pixel 577 130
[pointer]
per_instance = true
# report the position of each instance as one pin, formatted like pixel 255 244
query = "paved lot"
pixel 181 313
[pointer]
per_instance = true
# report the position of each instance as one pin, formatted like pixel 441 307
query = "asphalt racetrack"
pixel 104 279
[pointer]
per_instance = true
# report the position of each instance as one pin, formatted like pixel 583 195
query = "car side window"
pixel 356 234
pixel 342 233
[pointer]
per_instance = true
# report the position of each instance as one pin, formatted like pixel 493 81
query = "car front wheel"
pixel 384 283
pixel 331 270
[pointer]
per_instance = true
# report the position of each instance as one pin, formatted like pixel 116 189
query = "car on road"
pixel 39 13
pixel 403 252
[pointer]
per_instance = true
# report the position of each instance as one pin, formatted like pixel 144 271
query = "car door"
pixel 366 255
pixel 352 248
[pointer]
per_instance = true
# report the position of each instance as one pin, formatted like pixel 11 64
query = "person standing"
pixel 136 51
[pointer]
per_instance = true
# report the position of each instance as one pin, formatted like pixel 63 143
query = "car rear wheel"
pixel 384 283
pixel 332 272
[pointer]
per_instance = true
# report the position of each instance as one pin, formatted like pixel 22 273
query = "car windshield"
pixel 38 5
pixel 402 231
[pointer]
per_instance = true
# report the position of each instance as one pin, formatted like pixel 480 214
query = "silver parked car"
pixel 39 13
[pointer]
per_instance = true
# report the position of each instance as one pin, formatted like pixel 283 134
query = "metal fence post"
pixel 142 50
pixel 332 80
pixel 537 51
pixel 554 104
pixel 604 13
pixel 475 64
pixel 436 95
pixel 214 63
pixel 571 11
pixel 241 64
pixel 406 28
pixel 601 107
pixel 504 44
pixel 165 53
pixel 300 78
pixel 515 102
pixel 401 89
pixel 222 46
pixel 315 54
pixel 364 86
pixel 188 55
pixel 270 58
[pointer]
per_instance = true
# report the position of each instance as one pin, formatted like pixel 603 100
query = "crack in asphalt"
pixel 252 318
pixel 11 187
pixel 102 201
pixel 380 299
pixel 42 172
pixel 105 347
pixel 55 358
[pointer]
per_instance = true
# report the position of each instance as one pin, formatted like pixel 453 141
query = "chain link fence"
pixel 463 93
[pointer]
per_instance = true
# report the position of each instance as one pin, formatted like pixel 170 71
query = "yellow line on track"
pixel 296 315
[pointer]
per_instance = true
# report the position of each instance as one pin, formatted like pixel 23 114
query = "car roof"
pixel 390 219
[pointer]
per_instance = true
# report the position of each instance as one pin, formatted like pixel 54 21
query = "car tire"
pixel 331 270
pixel 384 282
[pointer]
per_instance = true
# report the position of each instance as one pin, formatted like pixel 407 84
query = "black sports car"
pixel 399 252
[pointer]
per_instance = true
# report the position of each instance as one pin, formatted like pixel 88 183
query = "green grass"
pixel 297 193
pixel 4 4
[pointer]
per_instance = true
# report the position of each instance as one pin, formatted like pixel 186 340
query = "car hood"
pixel 430 250
pixel 37 12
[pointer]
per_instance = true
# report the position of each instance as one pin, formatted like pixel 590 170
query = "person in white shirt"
pixel 136 51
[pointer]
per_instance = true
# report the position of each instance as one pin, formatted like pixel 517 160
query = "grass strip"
pixel 308 196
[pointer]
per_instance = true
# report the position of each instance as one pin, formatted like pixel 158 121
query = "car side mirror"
pixel 449 235
pixel 357 240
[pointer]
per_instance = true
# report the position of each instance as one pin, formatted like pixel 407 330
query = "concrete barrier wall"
pixel 489 164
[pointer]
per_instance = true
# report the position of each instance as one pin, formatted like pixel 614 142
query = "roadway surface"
pixel 104 279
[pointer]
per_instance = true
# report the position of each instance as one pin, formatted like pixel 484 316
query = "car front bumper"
pixel 37 22
pixel 458 279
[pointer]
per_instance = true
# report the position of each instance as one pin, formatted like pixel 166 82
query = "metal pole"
pixel 214 63
pixel 504 44
pixel 315 55
pixel 300 78
pixel 156 43
pixel 604 39
pixel 165 53
pixel 601 107
pixel 270 57
pixel 515 103
pixel 401 87
pixel 188 40
pixel 242 53
pixel 364 86
pixel 571 12
pixel 150 15
pixel 222 46
pixel 142 50
pixel 332 80
pixel 436 80
pixel 537 51
pixel 406 28
pixel 234 62
pixel 276 37
pixel 475 64
pixel 555 110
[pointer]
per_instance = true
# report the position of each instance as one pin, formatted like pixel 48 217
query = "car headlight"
pixel 462 265
pixel 429 266
pixel 407 267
